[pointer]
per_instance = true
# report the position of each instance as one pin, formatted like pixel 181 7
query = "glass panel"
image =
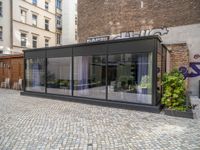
pixel 23 40
pixel 1 10
pixel 130 77
pixel 59 76
pixel 35 75
pixel 90 76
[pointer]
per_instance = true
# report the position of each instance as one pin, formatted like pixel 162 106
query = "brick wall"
pixel 11 67
pixel 102 17
pixel 179 57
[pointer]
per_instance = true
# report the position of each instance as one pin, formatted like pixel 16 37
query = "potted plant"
pixel 174 97
pixel 145 84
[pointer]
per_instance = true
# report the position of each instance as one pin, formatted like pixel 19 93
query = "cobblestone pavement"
pixel 36 124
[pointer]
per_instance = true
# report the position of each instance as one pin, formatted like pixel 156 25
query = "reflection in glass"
pixel 90 76
pixel 59 75
pixel 35 75
pixel 130 77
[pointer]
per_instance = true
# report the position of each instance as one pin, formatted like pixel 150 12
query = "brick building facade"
pixel 177 22
pixel 113 16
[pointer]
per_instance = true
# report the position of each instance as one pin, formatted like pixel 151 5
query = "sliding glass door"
pixel 35 75
pixel 59 75
pixel 130 77
pixel 90 76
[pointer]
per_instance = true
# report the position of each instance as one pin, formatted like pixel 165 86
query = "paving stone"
pixel 42 124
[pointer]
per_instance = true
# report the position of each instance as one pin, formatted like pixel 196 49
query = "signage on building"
pixel 129 34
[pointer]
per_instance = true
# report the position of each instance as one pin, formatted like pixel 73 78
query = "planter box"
pixel 176 113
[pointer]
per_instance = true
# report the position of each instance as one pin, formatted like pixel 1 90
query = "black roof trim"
pixel 96 43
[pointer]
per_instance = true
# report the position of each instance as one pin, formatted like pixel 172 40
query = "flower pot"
pixel 144 90
pixel 176 113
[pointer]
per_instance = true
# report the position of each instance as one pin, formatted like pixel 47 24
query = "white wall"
pixel 27 27
pixel 68 21
pixel 5 23
pixel 189 34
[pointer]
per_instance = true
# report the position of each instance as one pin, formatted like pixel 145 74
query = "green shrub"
pixel 174 96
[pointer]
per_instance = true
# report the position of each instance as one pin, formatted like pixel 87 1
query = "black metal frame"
pixel 132 45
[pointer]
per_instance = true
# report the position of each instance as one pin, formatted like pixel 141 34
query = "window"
pixel 76 20
pixel 34 2
pixel 23 40
pixel 46 42
pixel 59 4
pixel 35 74
pixel 59 72
pixel 23 16
pixel 58 38
pixel 46 5
pixel 34 20
pixel 130 77
pixel 90 76
pixel 34 41
pixel 46 24
pixel 76 34
pixel 1 9
pixel 1 33
pixel 58 21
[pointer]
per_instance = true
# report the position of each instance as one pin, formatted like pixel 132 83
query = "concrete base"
pixel 196 101
pixel 105 103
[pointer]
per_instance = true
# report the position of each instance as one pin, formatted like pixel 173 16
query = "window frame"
pixel 46 42
pixel 58 38
pixel 46 5
pixel 58 21
pixel 25 39
pixel 59 4
pixel 34 2
pixel 1 9
pixel 46 24
pixel 1 33
pixel 34 41
pixel 23 16
pixel 36 20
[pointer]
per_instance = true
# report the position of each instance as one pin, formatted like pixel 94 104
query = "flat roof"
pixel 97 43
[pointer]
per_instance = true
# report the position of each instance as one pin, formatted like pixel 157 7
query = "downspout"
pixel 11 24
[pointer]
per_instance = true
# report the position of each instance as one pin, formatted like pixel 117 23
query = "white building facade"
pixel 5 26
pixel 70 22
pixel 26 24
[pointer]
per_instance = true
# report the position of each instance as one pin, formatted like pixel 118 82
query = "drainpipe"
pixel 11 24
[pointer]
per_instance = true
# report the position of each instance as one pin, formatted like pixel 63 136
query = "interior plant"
pixel 125 82
pixel 145 82
pixel 174 94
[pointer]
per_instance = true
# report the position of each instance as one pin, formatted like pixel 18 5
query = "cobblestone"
pixel 29 123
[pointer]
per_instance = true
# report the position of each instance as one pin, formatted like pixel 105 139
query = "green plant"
pixel 174 96
pixel 125 81
pixel 145 82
